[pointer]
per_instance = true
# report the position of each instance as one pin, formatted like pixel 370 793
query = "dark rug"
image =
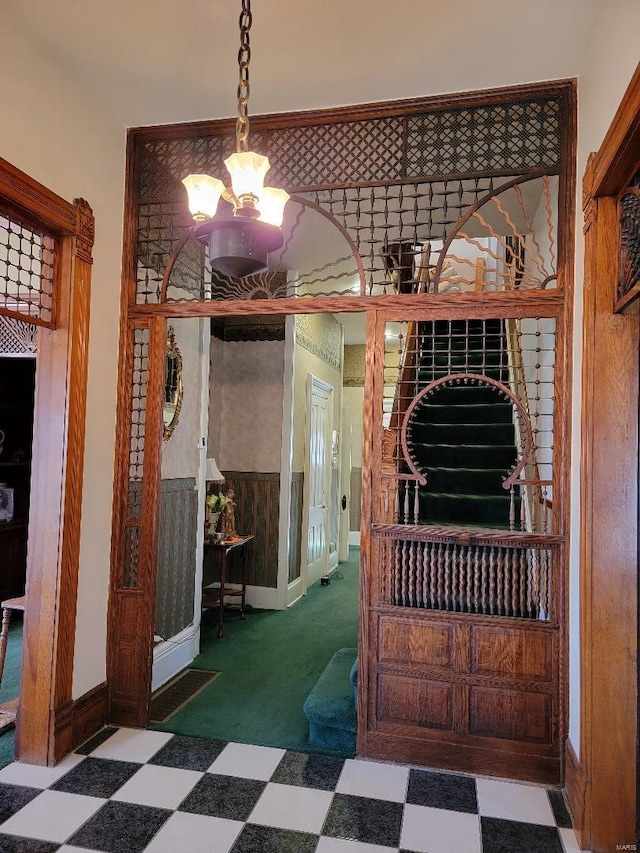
pixel 170 698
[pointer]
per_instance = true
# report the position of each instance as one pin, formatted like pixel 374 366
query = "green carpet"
pixel 268 665
pixel 11 683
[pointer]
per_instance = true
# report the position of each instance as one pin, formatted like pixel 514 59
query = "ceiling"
pixel 163 61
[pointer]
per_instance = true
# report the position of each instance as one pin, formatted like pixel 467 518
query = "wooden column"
pixel 602 784
pixel 134 555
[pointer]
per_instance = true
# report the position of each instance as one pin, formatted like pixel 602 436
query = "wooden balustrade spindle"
pixel 403 585
pixel 522 582
pixel 499 579
pixel 447 574
pixel 484 565
pixel 439 594
pixel 432 565
pixel 512 509
pixel 412 573
pixel 492 580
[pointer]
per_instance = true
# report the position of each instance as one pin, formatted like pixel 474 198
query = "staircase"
pixel 463 438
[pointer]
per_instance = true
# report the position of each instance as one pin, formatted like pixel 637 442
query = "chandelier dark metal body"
pixel 241 236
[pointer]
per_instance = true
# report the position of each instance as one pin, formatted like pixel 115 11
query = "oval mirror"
pixel 172 386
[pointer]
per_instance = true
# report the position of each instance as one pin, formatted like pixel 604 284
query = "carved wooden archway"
pixel 376 168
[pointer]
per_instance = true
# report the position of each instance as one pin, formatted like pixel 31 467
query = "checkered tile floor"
pixel 128 791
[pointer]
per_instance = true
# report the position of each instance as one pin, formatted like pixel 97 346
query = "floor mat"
pixel 170 698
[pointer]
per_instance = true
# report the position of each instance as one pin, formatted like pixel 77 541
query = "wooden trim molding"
pixel 57 472
pixel 575 789
pixel 615 161
pixel 89 714
pixel 603 788
pixel 75 722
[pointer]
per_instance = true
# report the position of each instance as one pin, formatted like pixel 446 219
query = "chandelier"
pixel 247 228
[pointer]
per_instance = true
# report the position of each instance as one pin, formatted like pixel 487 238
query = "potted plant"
pixel 215 505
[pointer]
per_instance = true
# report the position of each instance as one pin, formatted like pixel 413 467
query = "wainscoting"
pixel 257 498
pixel 295 524
pixel 176 556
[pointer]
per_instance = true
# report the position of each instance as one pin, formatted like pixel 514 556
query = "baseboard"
pixel 77 721
pixel 263 597
pixel 294 591
pixel 576 790
pixel 456 756
pixel 171 656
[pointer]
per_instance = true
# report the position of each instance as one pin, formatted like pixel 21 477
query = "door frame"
pixel 46 725
pixel 601 785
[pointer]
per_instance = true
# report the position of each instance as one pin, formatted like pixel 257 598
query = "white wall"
pixel 58 135
pixel 249 379
pixel 180 455
pixel 608 65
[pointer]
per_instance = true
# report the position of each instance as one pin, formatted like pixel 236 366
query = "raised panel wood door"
pixel 317 479
pixel 463 610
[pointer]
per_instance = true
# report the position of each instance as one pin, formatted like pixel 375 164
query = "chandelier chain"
pixel 244 57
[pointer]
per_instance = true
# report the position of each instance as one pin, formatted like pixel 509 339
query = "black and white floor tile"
pixel 129 791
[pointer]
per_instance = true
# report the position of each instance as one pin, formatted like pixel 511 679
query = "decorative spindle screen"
pixel 467 466
pixel 137 420
pixel 453 200
pixel 465 571
pixel 26 271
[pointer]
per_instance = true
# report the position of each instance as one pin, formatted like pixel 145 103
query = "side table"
pixel 8 710
pixel 214 596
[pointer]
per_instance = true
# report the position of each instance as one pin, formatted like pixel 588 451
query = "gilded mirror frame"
pixel 173 386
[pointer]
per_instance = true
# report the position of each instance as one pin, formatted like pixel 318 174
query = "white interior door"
pixel 317 478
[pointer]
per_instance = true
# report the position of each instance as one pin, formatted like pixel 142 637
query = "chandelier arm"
pixel 244 58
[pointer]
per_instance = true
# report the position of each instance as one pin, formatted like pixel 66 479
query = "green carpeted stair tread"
pixel 465 456
pixel 456 480
pixel 493 434
pixel 432 374
pixel 479 509
pixel 465 395
pixel 463 361
pixel 331 707
pixel 470 413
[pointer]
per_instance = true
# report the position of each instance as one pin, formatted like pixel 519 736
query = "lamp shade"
pixel 213 474
pixel 247 170
pixel 271 205
pixel 204 194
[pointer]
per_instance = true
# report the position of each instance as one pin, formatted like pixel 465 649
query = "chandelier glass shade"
pixel 242 234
